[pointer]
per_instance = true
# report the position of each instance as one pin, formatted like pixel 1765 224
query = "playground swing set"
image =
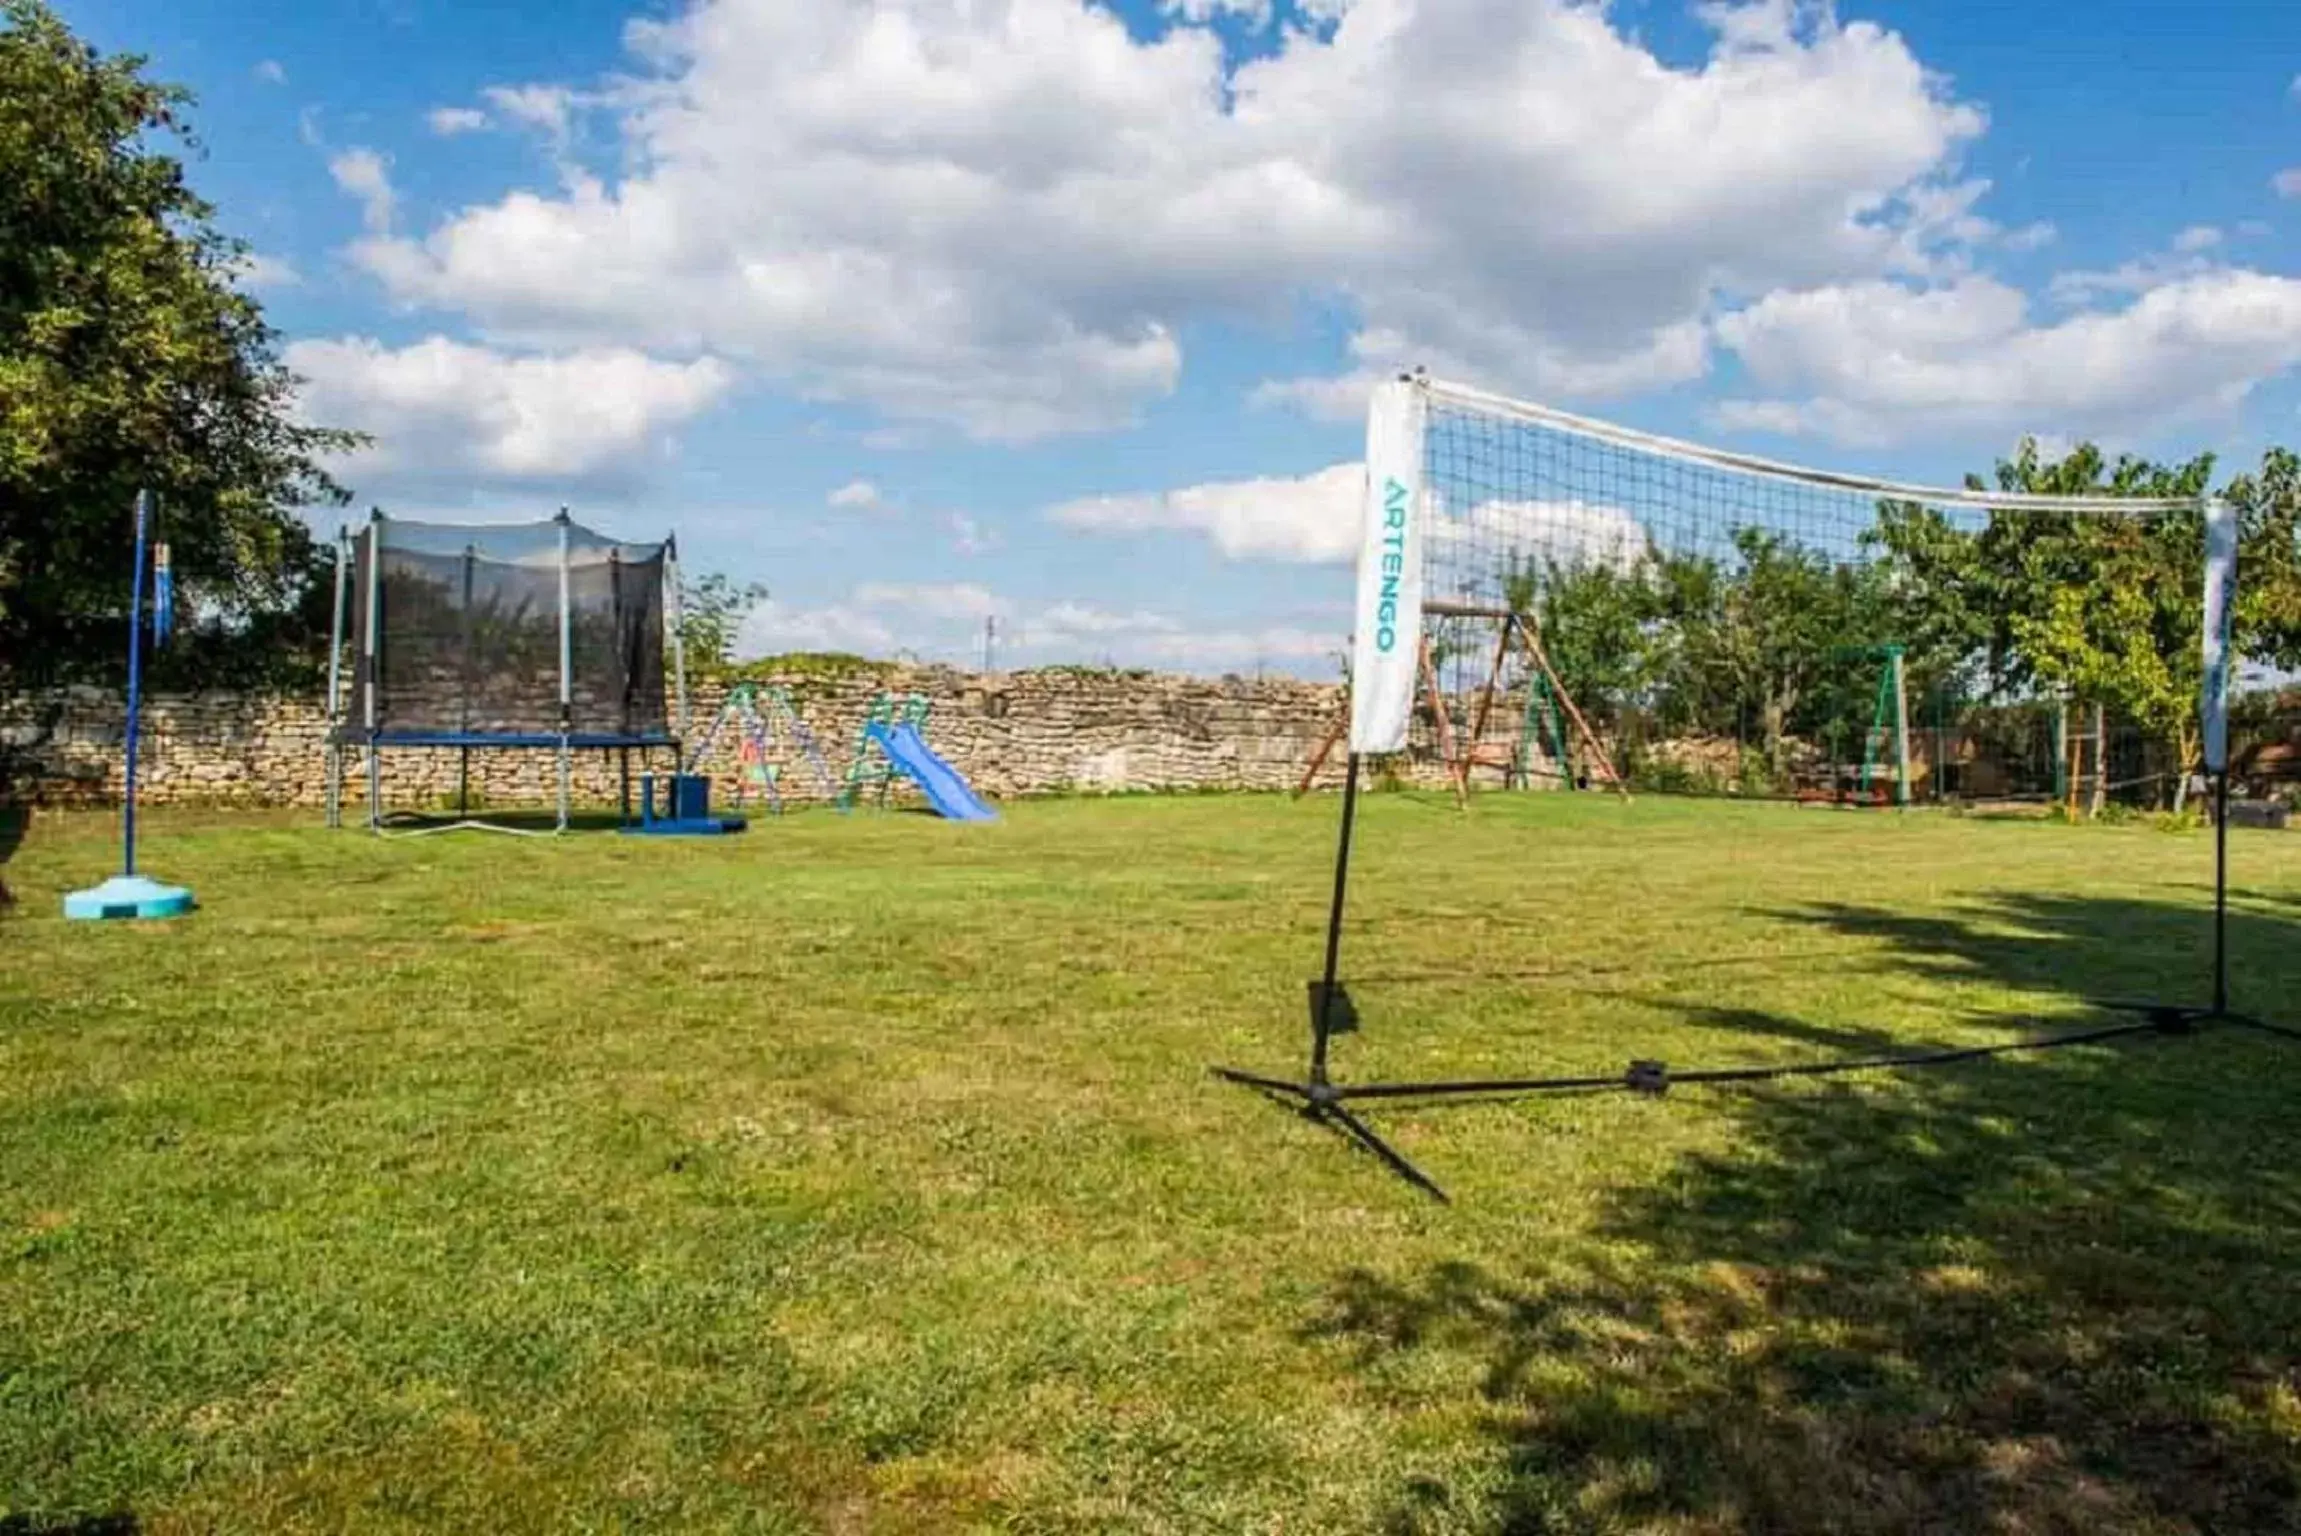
pixel 546 636
pixel 890 746
pixel 1550 724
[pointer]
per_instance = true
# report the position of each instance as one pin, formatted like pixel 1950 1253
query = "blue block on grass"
pixel 128 896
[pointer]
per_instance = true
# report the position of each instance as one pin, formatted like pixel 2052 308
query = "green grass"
pixel 865 1175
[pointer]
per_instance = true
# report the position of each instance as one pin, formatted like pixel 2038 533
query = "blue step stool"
pixel 686 811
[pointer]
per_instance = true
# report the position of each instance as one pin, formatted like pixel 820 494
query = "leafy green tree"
pixel 2268 616
pixel 1762 637
pixel 128 360
pixel 1599 626
pixel 2096 610
pixel 711 613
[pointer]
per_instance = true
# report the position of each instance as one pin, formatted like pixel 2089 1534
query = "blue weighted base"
pixel 128 896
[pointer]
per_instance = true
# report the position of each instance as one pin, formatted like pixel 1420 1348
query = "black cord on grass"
pixel 1654 1077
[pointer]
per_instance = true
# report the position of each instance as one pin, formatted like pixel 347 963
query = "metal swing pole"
pixel 566 671
pixel 371 670
pixel 463 703
pixel 335 750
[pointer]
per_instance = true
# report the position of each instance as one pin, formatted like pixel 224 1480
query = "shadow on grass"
pixel 2049 1294
pixel 15 823
pixel 2082 948
pixel 69 1525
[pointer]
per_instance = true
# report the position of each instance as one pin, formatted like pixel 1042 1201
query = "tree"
pixel 1597 625
pixel 1765 635
pixel 2098 611
pixel 711 614
pixel 129 360
pixel 2268 506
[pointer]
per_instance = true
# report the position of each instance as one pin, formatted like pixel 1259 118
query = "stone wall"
pixel 1010 733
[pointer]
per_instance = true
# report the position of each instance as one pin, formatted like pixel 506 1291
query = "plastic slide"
pixel 945 790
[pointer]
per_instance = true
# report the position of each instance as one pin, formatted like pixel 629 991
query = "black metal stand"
pixel 2185 1018
pixel 1321 1101
pixel 1326 1103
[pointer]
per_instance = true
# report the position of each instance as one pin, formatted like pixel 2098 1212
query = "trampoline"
pixel 536 637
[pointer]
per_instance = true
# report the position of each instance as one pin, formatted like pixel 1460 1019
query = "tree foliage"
pixel 129 360
pixel 1773 642
pixel 711 613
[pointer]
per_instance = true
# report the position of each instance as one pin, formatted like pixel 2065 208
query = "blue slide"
pixel 945 790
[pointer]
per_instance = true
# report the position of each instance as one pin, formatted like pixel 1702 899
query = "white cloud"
pixel 1313 517
pixel 2287 183
pixel 1001 216
pixel 969 537
pixel 1877 362
pixel 366 175
pixel 1070 620
pixel 775 627
pixel 2186 257
pixel 931 600
pixel 547 108
pixel 447 122
pixel 944 622
pixel 271 72
pixel 857 495
pixel 442 410
pixel 1499 532
pixel 257 272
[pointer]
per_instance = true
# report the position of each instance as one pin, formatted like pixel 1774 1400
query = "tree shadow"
pixel 15 825
pixel 2080 947
pixel 2036 1294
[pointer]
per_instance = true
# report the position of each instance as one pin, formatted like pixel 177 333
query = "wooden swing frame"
pixel 1516 625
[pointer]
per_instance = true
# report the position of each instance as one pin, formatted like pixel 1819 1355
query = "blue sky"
pixel 920 312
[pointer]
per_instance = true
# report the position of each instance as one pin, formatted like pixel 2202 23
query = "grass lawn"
pixel 865 1175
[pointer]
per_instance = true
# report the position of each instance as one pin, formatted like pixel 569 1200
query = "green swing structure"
pixel 1886 744
pixel 871 771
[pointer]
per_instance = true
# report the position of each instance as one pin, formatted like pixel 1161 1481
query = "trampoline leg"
pixel 463 781
pixel 566 775
pixel 375 787
pixel 625 755
pixel 335 789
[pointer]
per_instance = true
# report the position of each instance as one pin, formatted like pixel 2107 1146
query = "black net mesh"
pixel 466 637
pixel 1729 625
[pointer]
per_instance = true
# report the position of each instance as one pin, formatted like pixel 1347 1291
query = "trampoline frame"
pixel 372 739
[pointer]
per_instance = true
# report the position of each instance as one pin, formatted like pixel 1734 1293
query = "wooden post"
pixel 2066 790
pixel 1443 719
pixel 1325 749
pixel 1485 705
pixel 2099 799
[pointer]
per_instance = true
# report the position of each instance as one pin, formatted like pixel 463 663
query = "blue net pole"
pixel 135 681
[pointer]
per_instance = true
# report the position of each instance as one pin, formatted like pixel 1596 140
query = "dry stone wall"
pixel 1010 733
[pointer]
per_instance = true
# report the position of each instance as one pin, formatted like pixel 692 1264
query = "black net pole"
pixel 2221 891
pixel 1322 1023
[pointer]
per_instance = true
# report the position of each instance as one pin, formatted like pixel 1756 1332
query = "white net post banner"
pixel 1387 636
pixel 1701 595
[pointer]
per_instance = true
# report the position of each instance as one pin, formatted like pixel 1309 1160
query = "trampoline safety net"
pixel 458 632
